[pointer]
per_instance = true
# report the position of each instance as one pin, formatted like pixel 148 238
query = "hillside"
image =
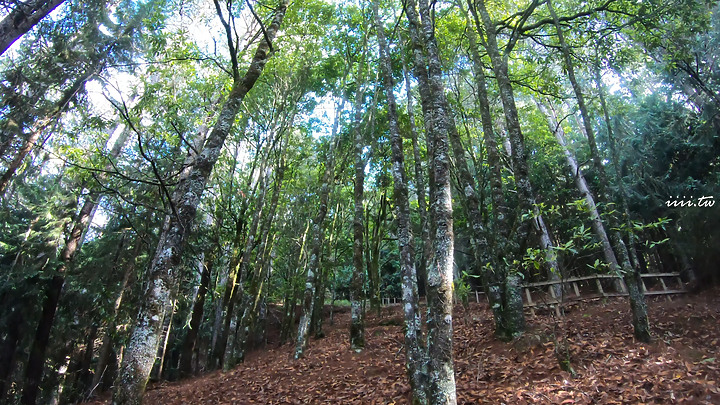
pixel 681 365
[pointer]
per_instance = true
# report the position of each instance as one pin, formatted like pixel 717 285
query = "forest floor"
pixel 681 365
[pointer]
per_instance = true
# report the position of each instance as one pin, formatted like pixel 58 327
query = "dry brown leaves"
pixel 680 367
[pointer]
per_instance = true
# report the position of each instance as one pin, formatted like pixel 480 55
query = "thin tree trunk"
pixel 143 345
pixel 526 197
pixel 248 310
pixel 641 324
pixel 256 328
pixel 36 359
pixel 290 296
pixel 630 272
pixel 414 356
pixel 168 331
pixel 441 387
pixel 107 344
pixel 22 19
pixel 373 252
pixel 514 132
pixel 494 277
pixel 80 373
pixel 357 316
pixel 587 123
pixel 373 240
pixel 222 323
pixel 317 241
pixel 239 296
pixel 621 193
pixel 316 320
pixel 582 186
pixel 546 244
pixel 190 341
pixel 420 186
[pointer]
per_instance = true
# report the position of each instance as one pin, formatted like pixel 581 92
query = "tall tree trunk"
pixel 493 277
pixel 143 345
pixel 251 302
pixel 526 196
pixel 587 123
pixel 222 323
pixel 222 331
pixel 106 348
pixel 77 377
pixel 317 241
pixel 630 273
pixel 290 295
pixel 188 346
pixel 441 387
pixel 22 19
pixel 36 359
pixel 621 193
pixel 414 356
pixel 357 316
pixel 239 296
pixel 582 186
pixel 512 120
pixel 373 239
pixel 373 251
pixel 546 244
pixel 420 187
pixel 167 328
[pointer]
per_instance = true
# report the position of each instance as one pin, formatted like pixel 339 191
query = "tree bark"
pixel 222 323
pixel 22 19
pixel 514 131
pixel 420 186
pixel 195 320
pixel 143 345
pixel 493 277
pixel 630 273
pixel 317 241
pixel 239 296
pixel 290 296
pixel 582 186
pixel 252 300
pixel 526 195
pixel 357 316
pixel 441 387
pixel 373 251
pixel 414 356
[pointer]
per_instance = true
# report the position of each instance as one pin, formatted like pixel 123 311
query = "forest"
pixel 359 201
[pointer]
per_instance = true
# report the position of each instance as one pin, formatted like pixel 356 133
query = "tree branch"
pixel 575 16
pixel 262 26
pixel 229 36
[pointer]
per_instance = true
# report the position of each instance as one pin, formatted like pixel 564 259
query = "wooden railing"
pixel 551 300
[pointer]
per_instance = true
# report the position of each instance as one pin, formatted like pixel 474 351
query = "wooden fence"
pixel 592 288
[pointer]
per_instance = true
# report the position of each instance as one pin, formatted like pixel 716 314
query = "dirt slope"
pixel 681 366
